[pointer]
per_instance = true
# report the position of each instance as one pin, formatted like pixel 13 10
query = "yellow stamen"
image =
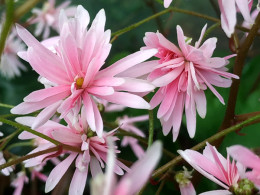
pixel 79 82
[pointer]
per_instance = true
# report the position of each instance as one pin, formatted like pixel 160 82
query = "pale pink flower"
pixel 215 167
pixel 94 151
pixel 167 3
pixel 133 181
pixel 182 75
pixel 248 159
pixel 127 123
pixel 228 11
pixel 18 183
pixel 48 16
pixel 10 65
pixel 74 72
pixel 183 179
pixel 5 171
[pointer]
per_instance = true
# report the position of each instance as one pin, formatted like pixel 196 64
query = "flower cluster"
pixel 68 119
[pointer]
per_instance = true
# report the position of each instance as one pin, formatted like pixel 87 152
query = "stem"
pixel 199 146
pixel 25 128
pixel 116 34
pixel 158 192
pixel 151 128
pixel 209 30
pixel 23 9
pixel 238 67
pixel 29 156
pixel 6 106
pixel 7 25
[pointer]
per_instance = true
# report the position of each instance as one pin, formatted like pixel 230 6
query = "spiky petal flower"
pixel 10 65
pixel 74 72
pixel 215 167
pixel 93 149
pixel 183 74
pixel 133 181
pixel 47 17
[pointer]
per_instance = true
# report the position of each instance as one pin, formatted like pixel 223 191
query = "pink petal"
pixel 127 99
pixel 187 189
pixel 45 115
pixel 244 9
pixel 167 3
pixel 143 167
pixel 101 90
pixel 135 85
pixel 42 94
pixel 88 104
pixel 43 61
pixel 181 40
pixel 29 107
pixel 57 173
pixel 139 70
pixel 127 62
pixel 244 156
pixel 168 77
pixel 78 182
pixel 217 192
pixel 228 16
pixel 95 168
pixel 201 103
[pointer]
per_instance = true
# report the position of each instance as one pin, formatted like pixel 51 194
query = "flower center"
pixel 244 187
pixel 79 82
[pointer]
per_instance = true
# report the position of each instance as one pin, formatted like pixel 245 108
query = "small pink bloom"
pixel 48 16
pixel 94 151
pixel 167 3
pixel 18 183
pixel 182 75
pixel 10 65
pixel 127 123
pixel 228 11
pixel 215 167
pixel 133 181
pixel 72 67
pixel 183 179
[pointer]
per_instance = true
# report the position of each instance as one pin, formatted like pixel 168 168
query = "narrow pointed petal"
pixel 57 173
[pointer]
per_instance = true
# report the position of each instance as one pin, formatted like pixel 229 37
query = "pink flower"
pixel 133 181
pixel 10 65
pixel 48 16
pixel 127 123
pixel 74 72
pixel 215 167
pixel 228 11
pixel 183 75
pixel 18 183
pixel 167 3
pixel 94 151
pixel 248 159
pixel 183 179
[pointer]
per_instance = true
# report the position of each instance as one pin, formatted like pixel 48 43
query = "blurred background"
pixel 120 14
